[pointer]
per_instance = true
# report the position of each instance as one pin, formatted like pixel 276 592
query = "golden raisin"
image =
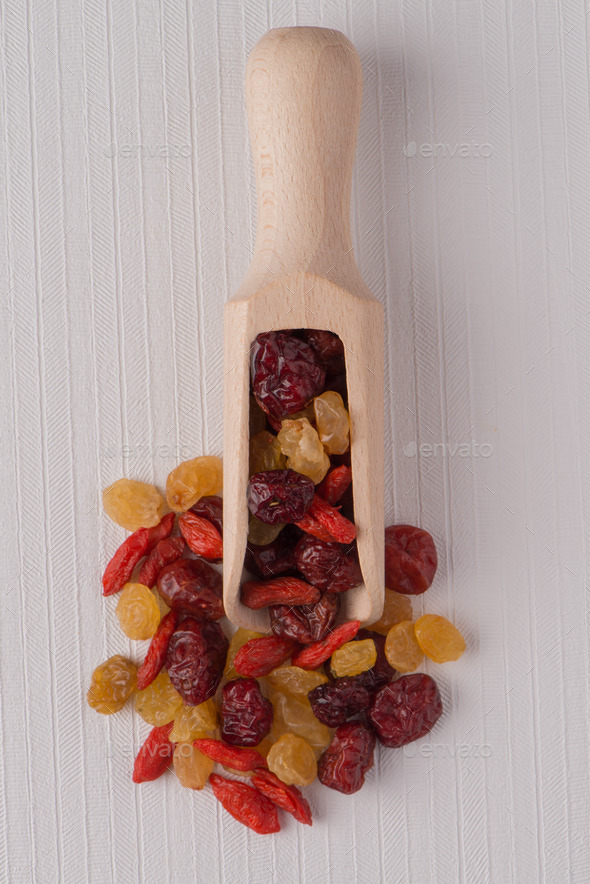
pixel 401 648
pixel 112 684
pixel 293 761
pixel 159 702
pixel 396 607
pixel 259 533
pixel 295 715
pixel 138 611
pixel 305 453
pixel 296 681
pixel 239 638
pixel 191 480
pixel 133 504
pixel 192 722
pixel 191 767
pixel 332 422
pixel 353 658
pixel 438 638
pixel 265 453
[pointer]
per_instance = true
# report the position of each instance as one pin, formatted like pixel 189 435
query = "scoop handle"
pixel 303 96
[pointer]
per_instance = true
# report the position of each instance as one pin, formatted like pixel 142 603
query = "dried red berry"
pixel 232 756
pixel 246 804
pixel 328 348
pixel 164 553
pixel 305 623
pixel 155 756
pixel 286 373
pixel 202 536
pixel 348 758
pixel 260 656
pixel 329 566
pixel 246 716
pixel 333 703
pixel 119 570
pixel 335 484
pixel 211 508
pixel 156 654
pixel 310 525
pixel 314 655
pixel 288 798
pixel 282 590
pixel 330 518
pixel 405 710
pixel 274 558
pixel 192 586
pixel 276 496
pixel 410 559
pixel 160 531
pixel 195 659
pixel 381 673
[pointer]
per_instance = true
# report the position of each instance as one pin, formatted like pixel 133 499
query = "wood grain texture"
pixel 127 219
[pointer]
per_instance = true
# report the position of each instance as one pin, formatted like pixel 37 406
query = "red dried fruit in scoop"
pixel 164 553
pixel 195 659
pixel 305 623
pixel 314 655
pixel 246 804
pixel 282 590
pixel 410 559
pixel 330 518
pixel 260 656
pixel 155 756
pixel 202 536
pixel 288 798
pixel 156 654
pixel 232 756
pixel 405 710
pixel 328 348
pixel 286 373
pixel 119 570
pixel 276 496
pixel 348 758
pixel 335 484
pixel 329 566
pixel 276 558
pixel 246 716
pixel 192 586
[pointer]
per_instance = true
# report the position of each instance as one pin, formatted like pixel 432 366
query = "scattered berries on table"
pixel 246 716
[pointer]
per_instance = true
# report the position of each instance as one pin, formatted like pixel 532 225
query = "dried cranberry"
pixel 286 373
pixel 348 758
pixel 210 508
pixel 405 710
pixel 338 700
pixel 275 558
pixel 280 496
pixel 328 348
pixel 410 559
pixel 192 586
pixel 329 566
pixel 305 623
pixel 246 717
pixel 195 659
pixel 381 673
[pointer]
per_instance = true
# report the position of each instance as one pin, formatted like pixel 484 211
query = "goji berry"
pixel 246 804
pixel 160 531
pixel 202 536
pixel 119 570
pixel 260 656
pixel 311 526
pixel 156 653
pixel 164 552
pixel 312 656
pixel 335 484
pixel 154 756
pixel 210 508
pixel 280 591
pixel 330 518
pixel 237 757
pixel 288 798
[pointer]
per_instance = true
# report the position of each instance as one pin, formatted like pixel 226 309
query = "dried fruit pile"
pixel 313 696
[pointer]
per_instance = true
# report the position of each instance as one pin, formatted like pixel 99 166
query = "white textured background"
pixel 127 212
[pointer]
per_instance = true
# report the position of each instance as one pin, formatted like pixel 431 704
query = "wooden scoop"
pixel 303 95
